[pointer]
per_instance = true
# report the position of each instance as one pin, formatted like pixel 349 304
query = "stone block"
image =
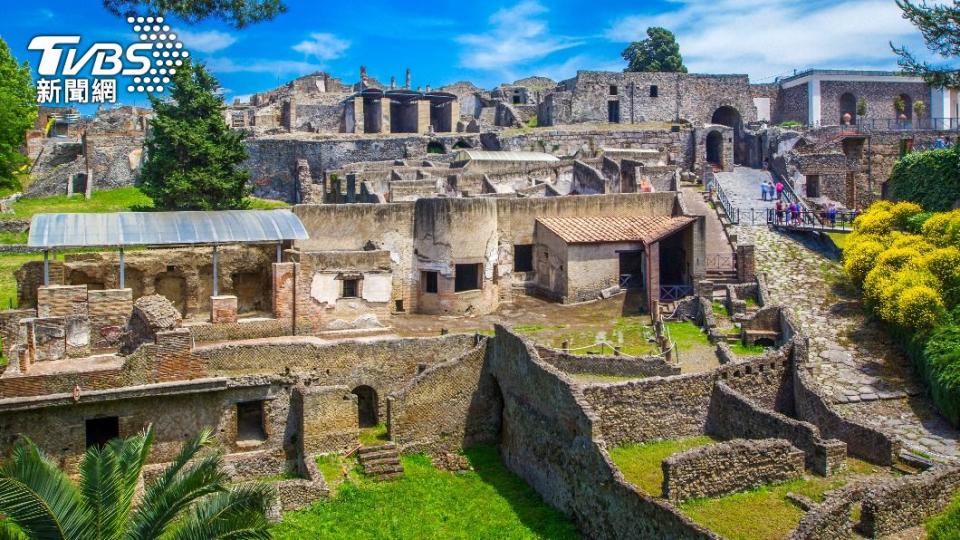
pixel 223 309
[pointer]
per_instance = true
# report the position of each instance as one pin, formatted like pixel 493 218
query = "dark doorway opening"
pixel 79 186
pixel 848 105
pixel 372 114
pixel 631 269
pixel 730 117
pixel 613 112
pixel 715 148
pixel 436 147
pixel 429 280
pixel 764 342
pixel 250 421
pixel 366 405
pixel 673 261
pixel 523 258
pixel 467 277
pixel 813 186
pixel 99 431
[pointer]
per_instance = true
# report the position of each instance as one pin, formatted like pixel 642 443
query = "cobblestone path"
pixel 855 362
pixel 742 187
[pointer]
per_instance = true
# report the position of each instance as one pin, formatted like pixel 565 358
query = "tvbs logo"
pixel 150 62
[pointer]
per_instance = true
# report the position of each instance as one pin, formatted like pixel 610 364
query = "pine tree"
pixel 237 13
pixel 941 31
pixel 659 52
pixel 193 158
pixel 18 111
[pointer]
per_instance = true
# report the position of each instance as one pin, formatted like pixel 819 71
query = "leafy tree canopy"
pixel 940 26
pixel 238 13
pixel 18 111
pixel 659 52
pixel 193 158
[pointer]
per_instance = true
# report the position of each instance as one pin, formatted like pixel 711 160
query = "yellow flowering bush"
pixel 943 229
pixel 874 221
pixel 903 211
pixel 919 307
pixel 859 258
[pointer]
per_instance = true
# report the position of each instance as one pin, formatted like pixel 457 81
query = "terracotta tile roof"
pixel 599 229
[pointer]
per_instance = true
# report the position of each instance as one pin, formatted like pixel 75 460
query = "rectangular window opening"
pixel 467 277
pixel 398 305
pixel 351 288
pixel 654 91
pixel 250 421
pixel 523 258
pixel 613 89
pixel 429 280
pixel 99 431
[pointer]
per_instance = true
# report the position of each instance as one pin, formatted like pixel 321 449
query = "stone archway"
pixel 366 405
pixel 731 117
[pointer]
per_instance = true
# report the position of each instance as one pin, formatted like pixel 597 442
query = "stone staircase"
pixel 381 462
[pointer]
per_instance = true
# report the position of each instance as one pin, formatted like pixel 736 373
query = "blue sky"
pixel 493 42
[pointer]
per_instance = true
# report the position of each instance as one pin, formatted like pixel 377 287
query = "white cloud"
pixel 277 67
pixel 517 37
pixel 323 46
pixel 770 37
pixel 206 42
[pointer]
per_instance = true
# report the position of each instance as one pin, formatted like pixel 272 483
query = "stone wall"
pixel 908 501
pixel 449 406
pixel 328 419
pixel 738 465
pixel 548 438
pixel 646 366
pixel 677 146
pixel 733 415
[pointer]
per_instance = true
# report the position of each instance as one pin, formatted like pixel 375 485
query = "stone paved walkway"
pixel 742 187
pixel 855 362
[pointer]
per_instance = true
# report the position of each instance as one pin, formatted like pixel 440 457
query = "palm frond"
pixel 176 489
pixel 236 514
pixel 108 482
pixel 9 531
pixel 38 498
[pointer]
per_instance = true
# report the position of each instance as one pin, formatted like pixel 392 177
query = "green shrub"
pixel 930 178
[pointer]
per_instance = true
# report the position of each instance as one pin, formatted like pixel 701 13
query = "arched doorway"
pixel 848 105
pixel 714 145
pixel 366 405
pixel 730 117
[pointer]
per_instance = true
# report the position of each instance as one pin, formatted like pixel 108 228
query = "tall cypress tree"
pixel 18 110
pixel 193 158
pixel 659 52
pixel 940 26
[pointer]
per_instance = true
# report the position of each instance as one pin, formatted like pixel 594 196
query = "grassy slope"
pixel 489 502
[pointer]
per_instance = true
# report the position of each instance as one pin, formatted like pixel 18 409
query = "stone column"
pixel 454 114
pixel 746 263
pixel 423 116
pixel 385 114
pixel 653 277
pixel 358 115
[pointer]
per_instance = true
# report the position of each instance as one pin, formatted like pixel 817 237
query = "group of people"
pixel 770 191
pixel 790 213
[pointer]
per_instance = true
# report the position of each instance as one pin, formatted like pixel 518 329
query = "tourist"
pixel 779 190
pixel 763 190
pixel 779 210
pixel 795 213
pixel 832 214
pixel 940 143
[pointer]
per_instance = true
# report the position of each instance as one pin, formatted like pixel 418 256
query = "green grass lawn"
pixel 762 513
pixel 631 333
pixel 840 239
pixel 740 349
pixel 640 463
pixel 108 200
pixel 488 502
pixel 374 436
pixel 946 524
pixel 688 335
pixel 602 378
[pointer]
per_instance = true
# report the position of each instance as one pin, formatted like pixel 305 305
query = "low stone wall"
pixel 548 438
pixel 830 520
pixel 646 366
pixel 738 465
pixel 242 329
pixel 863 441
pixel 447 407
pixel 328 419
pixel 299 493
pixel 733 415
pixel 908 501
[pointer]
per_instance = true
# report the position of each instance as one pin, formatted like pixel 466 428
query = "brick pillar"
pixel 454 114
pixel 61 300
pixel 653 277
pixel 746 263
pixel 223 309
pixel 284 277
pixel 175 356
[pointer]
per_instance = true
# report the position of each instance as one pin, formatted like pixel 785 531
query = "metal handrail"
pixel 713 186
pixel 806 219
pixel 675 292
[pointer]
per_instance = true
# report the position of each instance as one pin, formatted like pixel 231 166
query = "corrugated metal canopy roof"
pixel 164 228
pixel 484 155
